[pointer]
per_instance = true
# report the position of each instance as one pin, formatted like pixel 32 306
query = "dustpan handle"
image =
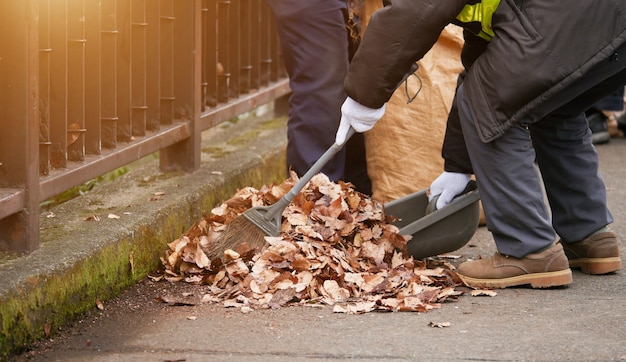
pixel 314 170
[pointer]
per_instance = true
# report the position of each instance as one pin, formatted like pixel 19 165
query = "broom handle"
pixel 281 204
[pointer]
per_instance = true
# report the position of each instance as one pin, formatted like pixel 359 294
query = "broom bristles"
pixel 240 230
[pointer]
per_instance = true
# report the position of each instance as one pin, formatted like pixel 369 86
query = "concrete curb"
pixel 82 261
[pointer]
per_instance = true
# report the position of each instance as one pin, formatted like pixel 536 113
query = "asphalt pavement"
pixel 583 322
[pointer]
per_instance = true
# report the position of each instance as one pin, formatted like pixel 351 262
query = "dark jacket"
pixel 539 48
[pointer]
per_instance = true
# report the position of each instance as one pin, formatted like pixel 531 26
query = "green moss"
pixel 147 180
pixel 83 189
pixel 274 123
pixel 243 138
pixel 60 298
pixel 57 299
pixel 215 151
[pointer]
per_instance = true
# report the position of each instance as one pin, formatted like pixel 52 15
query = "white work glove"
pixel 448 185
pixel 357 116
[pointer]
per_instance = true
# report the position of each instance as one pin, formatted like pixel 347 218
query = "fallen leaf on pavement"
pixel 93 217
pixel 46 330
pixel 483 292
pixel 99 304
pixel 439 324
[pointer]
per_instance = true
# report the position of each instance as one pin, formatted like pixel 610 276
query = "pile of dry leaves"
pixel 336 247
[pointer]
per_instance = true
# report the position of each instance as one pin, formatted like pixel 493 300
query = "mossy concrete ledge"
pixel 96 245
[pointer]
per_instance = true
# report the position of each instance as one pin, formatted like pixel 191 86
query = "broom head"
pixel 250 227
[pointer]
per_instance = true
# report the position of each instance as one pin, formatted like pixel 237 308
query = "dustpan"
pixel 440 231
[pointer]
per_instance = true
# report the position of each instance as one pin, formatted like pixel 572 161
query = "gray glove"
pixel 357 116
pixel 448 185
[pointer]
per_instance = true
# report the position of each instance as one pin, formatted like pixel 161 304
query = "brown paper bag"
pixel 404 148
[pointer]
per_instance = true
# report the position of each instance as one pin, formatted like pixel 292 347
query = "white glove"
pixel 357 116
pixel 448 185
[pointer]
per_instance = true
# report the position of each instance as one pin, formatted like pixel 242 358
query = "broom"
pixel 255 223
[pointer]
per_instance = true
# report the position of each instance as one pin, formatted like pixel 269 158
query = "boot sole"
pixel 536 280
pixel 597 265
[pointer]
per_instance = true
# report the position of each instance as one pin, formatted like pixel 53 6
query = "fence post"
pixel 185 155
pixel 19 117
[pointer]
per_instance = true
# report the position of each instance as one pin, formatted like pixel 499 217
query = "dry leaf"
pixel 113 216
pixel 156 278
pixel 46 330
pixel 93 217
pixel 173 301
pixel 481 292
pixel 73 133
pixel 99 304
pixel 439 324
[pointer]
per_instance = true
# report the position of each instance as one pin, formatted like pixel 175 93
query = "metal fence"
pixel 88 86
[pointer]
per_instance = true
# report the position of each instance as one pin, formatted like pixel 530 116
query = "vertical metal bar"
pixel 211 69
pixel 223 49
pixel 264 41
pixel 274 46
pixel 277 50
pixel 58 84
pixel 138 49
pixel 19 146
pixel 75 80
pixel 185 155
pixel 124 61
pixel 255 43
pixel 206 101
pixel 234 49
pixel 93 73
pixel 245 41
pixel 44 87
pixel 153 79
pixel 166 85
pixel 108 97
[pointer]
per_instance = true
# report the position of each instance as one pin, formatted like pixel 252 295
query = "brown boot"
pixel 548 268
pixel 597 254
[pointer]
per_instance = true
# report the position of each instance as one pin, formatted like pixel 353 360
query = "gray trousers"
pixel 555 154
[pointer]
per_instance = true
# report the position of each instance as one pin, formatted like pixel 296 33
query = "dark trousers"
pixel 554 154
pixel 315 47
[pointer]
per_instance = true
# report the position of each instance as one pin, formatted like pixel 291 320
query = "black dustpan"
pixel 436 231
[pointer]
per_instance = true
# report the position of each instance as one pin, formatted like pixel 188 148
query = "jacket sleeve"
pixel 397 36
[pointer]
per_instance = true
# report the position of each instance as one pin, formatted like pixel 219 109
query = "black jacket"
pixel 539 48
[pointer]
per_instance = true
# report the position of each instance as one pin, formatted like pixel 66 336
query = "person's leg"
pixel 314 43
pixel 515 211
pixel 511 190
pixel 569 166
pixel 577 194
pixel 510 187
pixel 567 158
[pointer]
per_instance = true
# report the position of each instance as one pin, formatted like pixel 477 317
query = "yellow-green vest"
pixel 477 17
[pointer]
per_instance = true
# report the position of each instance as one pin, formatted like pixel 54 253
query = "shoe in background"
pixel 599 129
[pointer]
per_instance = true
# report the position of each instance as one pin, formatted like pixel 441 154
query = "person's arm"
pixel 397 36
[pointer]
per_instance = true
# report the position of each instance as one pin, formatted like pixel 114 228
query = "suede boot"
pixel 545 269
pixel 597 254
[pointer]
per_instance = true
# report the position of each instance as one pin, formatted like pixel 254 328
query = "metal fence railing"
pixel 88 86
